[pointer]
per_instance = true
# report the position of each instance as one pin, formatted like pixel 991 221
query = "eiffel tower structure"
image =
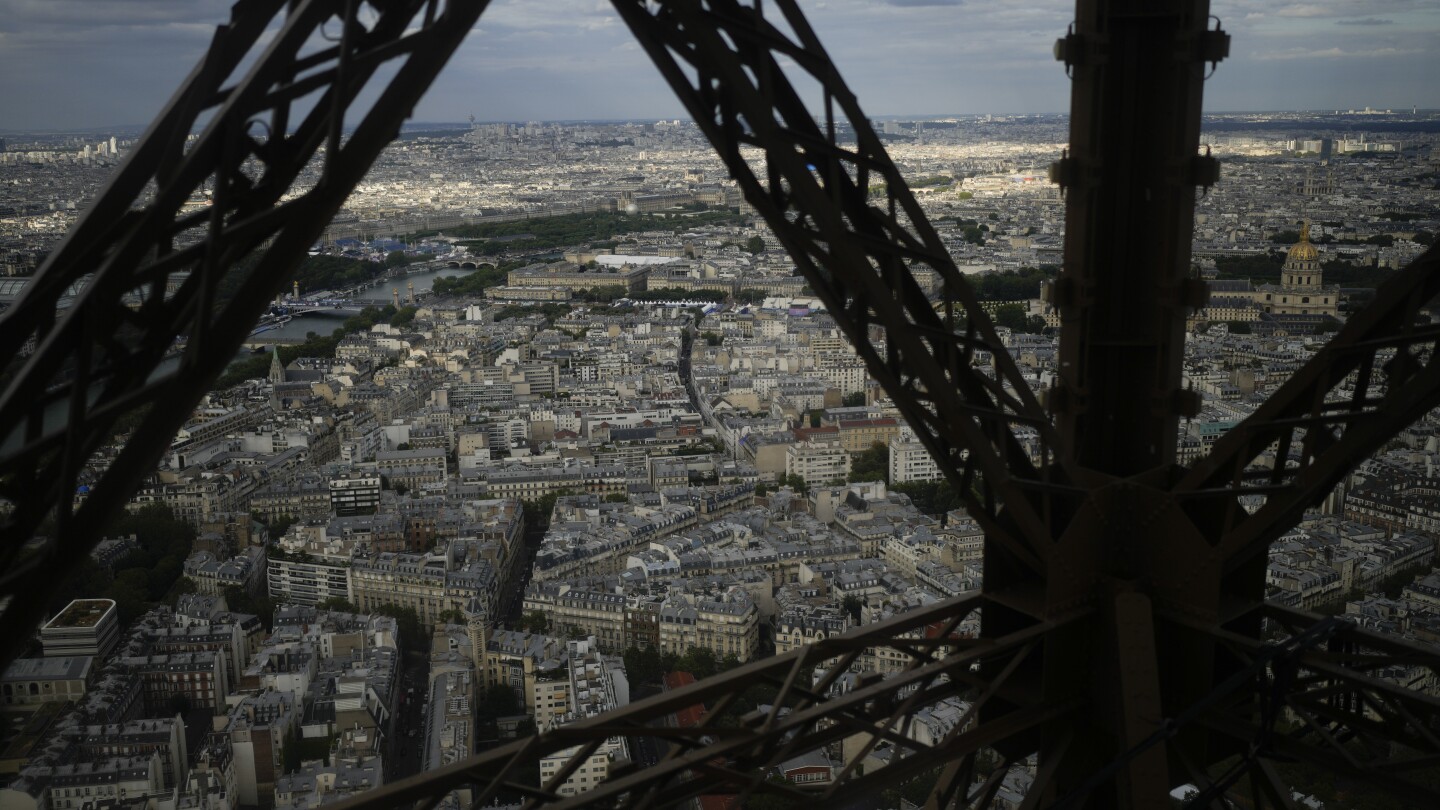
pixel 1125 646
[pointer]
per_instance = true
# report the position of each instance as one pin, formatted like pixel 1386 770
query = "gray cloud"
pixel 1365 21
pixel 86 63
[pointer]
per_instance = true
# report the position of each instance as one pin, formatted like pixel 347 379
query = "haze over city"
pixel 756 460
pixel 68 64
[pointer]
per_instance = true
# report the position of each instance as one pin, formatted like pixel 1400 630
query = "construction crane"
pixel 1125 647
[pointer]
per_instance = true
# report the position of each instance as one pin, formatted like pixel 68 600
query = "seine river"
pixel 299 327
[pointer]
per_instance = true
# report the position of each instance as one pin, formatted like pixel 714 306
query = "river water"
pixel 301 326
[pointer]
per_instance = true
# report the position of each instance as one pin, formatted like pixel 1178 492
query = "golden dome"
pixel 1303 251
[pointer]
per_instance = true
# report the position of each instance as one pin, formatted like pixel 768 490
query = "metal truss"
pixel 1372 380
pixel 1346 701
pixel 812 181
pixel 228 206
pixel 1126 647
pixel 813 701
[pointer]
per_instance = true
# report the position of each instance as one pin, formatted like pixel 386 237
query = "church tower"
pixel 277 368
pixel 477 627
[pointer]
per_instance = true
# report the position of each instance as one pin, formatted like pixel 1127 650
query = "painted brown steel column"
pixel 1130 177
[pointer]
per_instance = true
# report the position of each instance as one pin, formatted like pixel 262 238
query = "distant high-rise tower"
pixel 113 150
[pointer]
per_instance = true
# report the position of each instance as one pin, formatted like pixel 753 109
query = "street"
pixel 406 751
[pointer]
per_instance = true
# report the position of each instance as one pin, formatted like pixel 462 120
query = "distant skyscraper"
pixel 113 150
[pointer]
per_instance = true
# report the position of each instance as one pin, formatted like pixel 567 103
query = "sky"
pixel 86 64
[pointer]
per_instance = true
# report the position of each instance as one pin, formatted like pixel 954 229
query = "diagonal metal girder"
pixel 1344 705
pixel 812 708
pixel 812 181
pixel 71 375
pixel 1375 377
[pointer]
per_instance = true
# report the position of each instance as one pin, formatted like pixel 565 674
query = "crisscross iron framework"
pixel 1121 645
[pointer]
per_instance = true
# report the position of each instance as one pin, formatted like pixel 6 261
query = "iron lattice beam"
pixel 1374 378
pixel 742 74
pixel 811 181
pixel 813 705
pixel 73 374
pixel 1349 703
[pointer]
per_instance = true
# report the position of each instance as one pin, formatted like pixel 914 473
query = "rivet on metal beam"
pixel 1214 45
pixel 1204 170
pixel 1185 403
pixel 1065 172
pixel 1194 293
pixel 1058 292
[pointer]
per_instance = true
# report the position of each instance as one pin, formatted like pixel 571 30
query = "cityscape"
pixel 548 423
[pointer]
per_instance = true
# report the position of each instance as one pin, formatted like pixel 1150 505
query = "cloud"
pixel 1335 53
pixel 87 63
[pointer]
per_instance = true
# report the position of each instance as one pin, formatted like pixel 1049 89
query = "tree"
pixel 852 605
pixel 398 258
pixel 795 482
pixel 535 622
pixel 403 316
pixel 854 400
pixel 339 604
pixel 755 245
pixel 537 510
pixel 643 666
pixel 182 586
pixel 1015 318
pixel 617 497
pixel 414 636
pixel 451 616
pixel 930 497
pixel 871 464
pixel 280 525
pixel 712 338
pixel 239 600
pixel 698 661
pixel 498 701
pixel 1238 327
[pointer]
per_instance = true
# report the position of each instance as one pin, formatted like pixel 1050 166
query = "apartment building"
pixel 84 627
pixel 597 684
pixel 817 463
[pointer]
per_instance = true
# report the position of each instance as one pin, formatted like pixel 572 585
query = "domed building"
pixel 1301 291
